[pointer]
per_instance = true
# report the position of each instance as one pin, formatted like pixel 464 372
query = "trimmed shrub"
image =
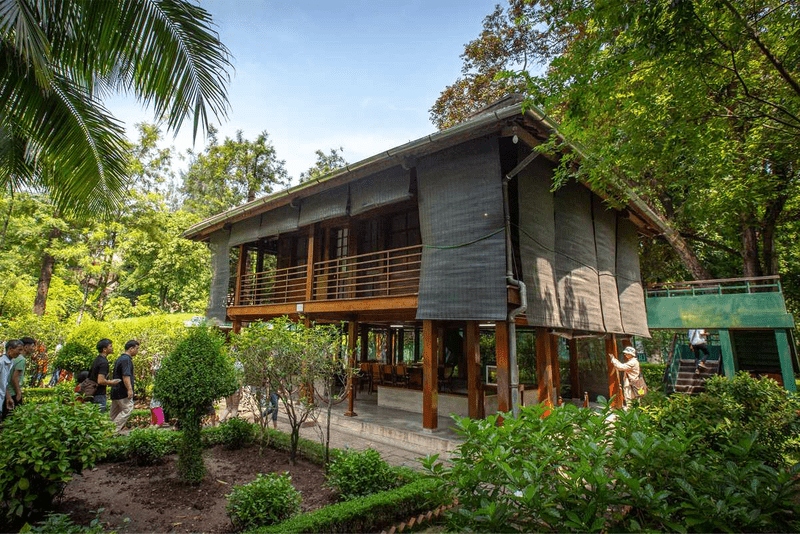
pixel 192 377
pixel 237 433
pixel 653 374
pixel 267 500
pixel 148 446
pixel 38 395
pixel 41 446
pixel 62 524
pixel 75 357
pixel 356 474
pixel 372 513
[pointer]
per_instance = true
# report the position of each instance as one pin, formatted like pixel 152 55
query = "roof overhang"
pixel 529 123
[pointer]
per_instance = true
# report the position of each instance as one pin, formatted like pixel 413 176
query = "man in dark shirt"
pixel 99 373
pixel 122 394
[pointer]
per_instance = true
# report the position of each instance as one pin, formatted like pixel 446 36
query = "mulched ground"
pixel 152 499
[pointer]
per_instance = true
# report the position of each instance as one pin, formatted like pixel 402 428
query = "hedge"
pixel 367 514
pixel 653 374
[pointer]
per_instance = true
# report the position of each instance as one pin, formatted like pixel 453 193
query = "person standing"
pixel 632 372
pixel 17 378
pixel 697 339
pixel 13 349
pixel 99 373
pixel 122 394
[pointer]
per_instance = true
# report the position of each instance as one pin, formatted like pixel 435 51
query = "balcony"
pixel 389 273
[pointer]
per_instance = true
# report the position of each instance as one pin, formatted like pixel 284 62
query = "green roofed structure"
pixel 749 314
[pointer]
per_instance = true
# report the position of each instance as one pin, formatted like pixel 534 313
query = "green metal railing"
pixel 723 286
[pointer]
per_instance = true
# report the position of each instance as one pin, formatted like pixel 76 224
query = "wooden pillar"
pixel 240 270
pixel 785 357
pixel 503 367
pixel 430 392
pixel 352 330
pixel 401 338
pixel 310 263
pixel 614 385
pixel 472 352
pixel 574 372
pixel 364 343
pixel 555 368
pixel 544 366
pixel 237 326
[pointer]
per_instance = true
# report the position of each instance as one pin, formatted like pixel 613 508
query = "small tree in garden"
pixel 193 376
pixel 289 358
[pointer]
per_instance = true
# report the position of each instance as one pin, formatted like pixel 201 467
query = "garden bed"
pixel 152 499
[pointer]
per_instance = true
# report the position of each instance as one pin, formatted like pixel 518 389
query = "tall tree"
pixel 325 164
pixel 59 58
pixel 692 105
pixel 226 175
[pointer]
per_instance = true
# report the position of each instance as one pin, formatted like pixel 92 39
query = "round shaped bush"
pixel 75 357
pixel 148 446
pixel 355 474
pixel 236 433
pixel 267 500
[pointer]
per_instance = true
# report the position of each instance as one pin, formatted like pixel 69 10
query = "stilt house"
pixel 424 245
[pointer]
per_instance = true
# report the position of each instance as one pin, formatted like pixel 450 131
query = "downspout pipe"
pixel 520 285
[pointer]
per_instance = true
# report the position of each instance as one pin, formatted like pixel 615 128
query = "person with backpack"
pixel 122 393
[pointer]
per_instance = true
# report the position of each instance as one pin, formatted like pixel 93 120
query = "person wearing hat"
pixel 633 384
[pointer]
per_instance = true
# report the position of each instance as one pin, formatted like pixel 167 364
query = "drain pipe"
pixel 520 285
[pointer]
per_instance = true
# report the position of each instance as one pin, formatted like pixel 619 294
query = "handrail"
pixel 758 284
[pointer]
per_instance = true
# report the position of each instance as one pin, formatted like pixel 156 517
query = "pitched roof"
pixel 508 112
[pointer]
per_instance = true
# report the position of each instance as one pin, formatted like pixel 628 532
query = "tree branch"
pixel 710 242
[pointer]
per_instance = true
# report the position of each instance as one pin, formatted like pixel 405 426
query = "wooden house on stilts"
pixel 426 244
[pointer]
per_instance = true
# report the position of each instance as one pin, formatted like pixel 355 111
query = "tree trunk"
pixel 751 265
pixel 773 213
pixel 6 221
pixel 46 274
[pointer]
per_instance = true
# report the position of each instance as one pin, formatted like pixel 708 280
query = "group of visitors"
pixel 12 372
pixel 96 382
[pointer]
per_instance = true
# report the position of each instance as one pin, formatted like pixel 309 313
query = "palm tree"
pixel 59 58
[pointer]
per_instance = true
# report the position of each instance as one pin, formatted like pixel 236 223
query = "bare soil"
pixel 153 499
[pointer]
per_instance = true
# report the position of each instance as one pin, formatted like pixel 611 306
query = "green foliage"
pixel 372 513
pixel 62 524
pixel 653 374
pixel 237 433
pixel 267 500
pixel 550 473
pixel 139 418
pixel 41 446
pixel 39 395
pixel 285 356
pixel 46 329
pixel 75 357
pixel 192 377
pixel 148 446
pixel 729 410
pixel 356 474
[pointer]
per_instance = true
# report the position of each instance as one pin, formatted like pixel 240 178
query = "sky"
pixel 317 75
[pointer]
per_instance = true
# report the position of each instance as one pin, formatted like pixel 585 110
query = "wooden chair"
pixel 377 376
pixel 388 374
pixel 445 375
pixel 364 377
pixel 401 375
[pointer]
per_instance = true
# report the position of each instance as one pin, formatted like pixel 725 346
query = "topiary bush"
pixel 148 446
pixel 267 500
pixel 237 433
pixel 192 377
pixel 355 474
pixel 42 446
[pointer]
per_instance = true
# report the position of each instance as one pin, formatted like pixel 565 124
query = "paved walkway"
pixel 396 434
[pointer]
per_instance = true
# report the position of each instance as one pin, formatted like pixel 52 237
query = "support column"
pixel 352 329
pixel 237 326
pixel 614 386
pixel 728 361
pixel 785 357
pixel 240 270
pixel 555 368
pixel 430 391
pixel 472 353
pixel 401 338
pixel 503 367
pixel 417 333
pixel 574 372
pixel 544 366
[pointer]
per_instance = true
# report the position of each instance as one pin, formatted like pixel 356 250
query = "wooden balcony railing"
pixel 378 274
